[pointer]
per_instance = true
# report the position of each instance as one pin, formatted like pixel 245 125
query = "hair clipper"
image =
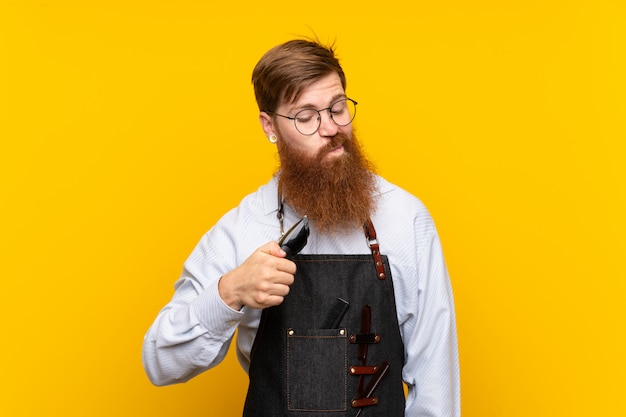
pixel 296 237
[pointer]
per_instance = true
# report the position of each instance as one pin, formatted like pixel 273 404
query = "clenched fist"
pixel 262 281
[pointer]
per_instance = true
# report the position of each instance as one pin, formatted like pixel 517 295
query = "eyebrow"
pixel 336 97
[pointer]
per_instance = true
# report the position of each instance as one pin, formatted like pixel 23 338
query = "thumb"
pixel 273 249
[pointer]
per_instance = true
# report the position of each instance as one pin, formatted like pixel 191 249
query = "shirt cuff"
pixel 213 314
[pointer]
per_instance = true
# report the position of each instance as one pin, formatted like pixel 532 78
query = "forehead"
pixel 318 94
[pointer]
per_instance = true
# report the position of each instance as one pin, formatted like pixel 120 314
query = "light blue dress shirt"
pixel 193 332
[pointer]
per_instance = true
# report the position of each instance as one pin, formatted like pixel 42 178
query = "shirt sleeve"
pixel 431 370
pixel 193 332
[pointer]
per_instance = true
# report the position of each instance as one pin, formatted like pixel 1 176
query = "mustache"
pixel 340 139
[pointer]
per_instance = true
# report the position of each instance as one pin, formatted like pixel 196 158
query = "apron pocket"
pixel 317 370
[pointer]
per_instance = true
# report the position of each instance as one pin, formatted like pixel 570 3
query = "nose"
pixel 327 126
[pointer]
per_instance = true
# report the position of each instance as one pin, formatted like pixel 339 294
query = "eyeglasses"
pixel 308 121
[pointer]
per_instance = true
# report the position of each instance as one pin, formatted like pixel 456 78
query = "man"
pixel 365 305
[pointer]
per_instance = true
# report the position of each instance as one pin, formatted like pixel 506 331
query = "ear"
pixel 267 124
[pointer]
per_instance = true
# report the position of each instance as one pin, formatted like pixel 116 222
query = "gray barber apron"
pixel 333 347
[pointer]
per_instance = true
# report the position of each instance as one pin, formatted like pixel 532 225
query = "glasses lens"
pixel 343 112
pixel 307 121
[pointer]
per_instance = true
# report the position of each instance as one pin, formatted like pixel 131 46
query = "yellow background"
pixel 128 127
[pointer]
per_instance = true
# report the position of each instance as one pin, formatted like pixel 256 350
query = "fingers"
pixel 262 281
pixel 282 264
pixel 270 295
pixel 272 248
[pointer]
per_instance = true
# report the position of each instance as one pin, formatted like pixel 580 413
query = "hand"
pixel 262 281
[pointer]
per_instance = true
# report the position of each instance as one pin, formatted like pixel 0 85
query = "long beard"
pixel 335 194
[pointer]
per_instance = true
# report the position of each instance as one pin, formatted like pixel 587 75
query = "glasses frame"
pixel 319 113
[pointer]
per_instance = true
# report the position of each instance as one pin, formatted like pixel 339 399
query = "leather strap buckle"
pixel 372 243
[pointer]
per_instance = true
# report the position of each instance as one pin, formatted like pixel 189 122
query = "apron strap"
pixel 372 242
